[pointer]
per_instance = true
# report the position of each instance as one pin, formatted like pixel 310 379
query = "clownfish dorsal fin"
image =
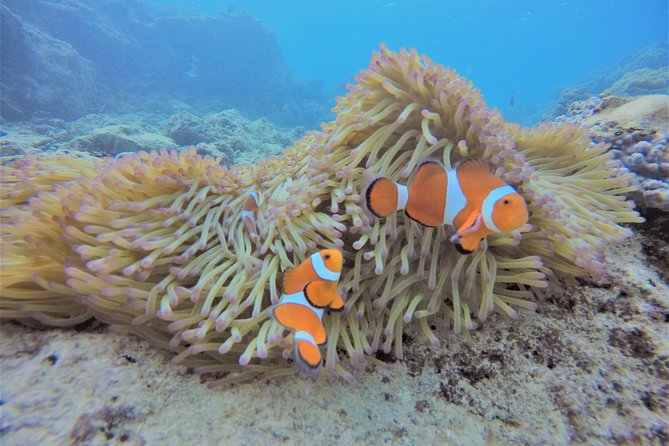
pixel 288 279
pixel 474 166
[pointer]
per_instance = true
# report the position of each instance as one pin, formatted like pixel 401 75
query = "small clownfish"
pixel 468 197
pixel 250 212
pixel 317 277
pixel 309 290
pixel 296 313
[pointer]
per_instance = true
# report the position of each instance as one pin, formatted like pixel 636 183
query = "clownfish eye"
pixel 506 201
pixel 327 256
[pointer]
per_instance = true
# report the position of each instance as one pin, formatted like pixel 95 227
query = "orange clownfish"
pixel 250 212
pixel 468 197
pixel 309 290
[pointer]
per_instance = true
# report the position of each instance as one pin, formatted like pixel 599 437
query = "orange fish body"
pixel 309 290
pixel 468 197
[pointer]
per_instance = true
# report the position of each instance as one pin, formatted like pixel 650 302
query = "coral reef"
pixel 115 139
pixel 644 73
pixel 227 134
pixel 641 81
pixel 636 130
pixel 153 243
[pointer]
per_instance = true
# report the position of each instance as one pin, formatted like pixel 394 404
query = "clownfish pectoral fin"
pixel 384 197
pixel 321 293
pixel 307 353
pixel 472 224
pixel 468 237
pixel 468 243
pixel 462 250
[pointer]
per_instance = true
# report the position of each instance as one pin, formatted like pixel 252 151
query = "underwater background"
pixel 535 48
pixel 91 83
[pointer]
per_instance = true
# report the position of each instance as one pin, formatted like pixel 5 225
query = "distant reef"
pixel 64 59
pixel 643 73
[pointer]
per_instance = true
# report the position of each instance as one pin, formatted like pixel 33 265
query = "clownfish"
pixel 296 313
pixel 317 277
pixel 250 212
pixel 308 290
pixel 468 197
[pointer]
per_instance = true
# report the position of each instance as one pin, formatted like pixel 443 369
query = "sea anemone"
pixel 153 243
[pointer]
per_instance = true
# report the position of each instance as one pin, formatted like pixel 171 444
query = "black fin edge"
pixel 306 296
pixel 462 250
pixel 418 221
pixel 368 193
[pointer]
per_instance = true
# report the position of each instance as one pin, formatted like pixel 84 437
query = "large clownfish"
pixel 468 197
pixel 309 290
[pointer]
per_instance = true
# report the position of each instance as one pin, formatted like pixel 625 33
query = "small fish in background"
pixel 310 290
pixel 191 72
pixel 512 99
pixel 468 197
pixel 249 213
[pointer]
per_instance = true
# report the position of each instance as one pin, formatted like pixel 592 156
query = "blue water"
pixel 534 47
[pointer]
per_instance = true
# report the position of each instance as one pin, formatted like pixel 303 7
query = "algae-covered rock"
pixel 641 81
pixel 230 135
pixel 41 73
pixel 116 139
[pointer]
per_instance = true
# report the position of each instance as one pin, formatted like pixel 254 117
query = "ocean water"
pixel 534 48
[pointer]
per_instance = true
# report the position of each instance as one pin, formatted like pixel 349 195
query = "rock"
pixel 637 130
pixel 138 48
pixel 644 73
pixel 41 73
pixel 185 129
pixel 230 135
pixel 641 81
pixel 116 139
pixel 650 112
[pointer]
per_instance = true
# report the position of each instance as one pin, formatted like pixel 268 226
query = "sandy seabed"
pixel 589 367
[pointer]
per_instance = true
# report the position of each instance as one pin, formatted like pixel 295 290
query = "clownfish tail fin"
pixel 385 197
pixel 307 354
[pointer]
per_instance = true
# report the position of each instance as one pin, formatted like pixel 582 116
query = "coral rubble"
pixel 153 243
